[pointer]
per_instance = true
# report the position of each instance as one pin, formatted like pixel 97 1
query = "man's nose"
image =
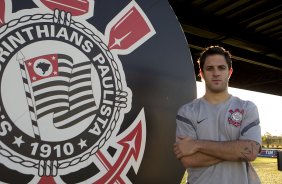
pixel 216 72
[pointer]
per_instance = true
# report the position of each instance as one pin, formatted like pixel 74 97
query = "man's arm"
pixel 199 160
pixel 239 150
pixel 195 160
pixel 225 150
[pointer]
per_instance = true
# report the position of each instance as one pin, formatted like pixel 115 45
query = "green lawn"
pixel 266 169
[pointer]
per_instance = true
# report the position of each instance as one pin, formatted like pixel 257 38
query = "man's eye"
pixel 222 67
pixel 209 68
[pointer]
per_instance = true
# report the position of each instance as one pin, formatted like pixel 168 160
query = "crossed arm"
pixel 201 153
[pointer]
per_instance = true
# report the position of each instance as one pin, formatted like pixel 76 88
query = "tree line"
pixel 270 141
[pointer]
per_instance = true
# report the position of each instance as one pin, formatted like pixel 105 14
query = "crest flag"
pixel 60 87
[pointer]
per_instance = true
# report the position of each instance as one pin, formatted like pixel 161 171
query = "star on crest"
pixel 82 143
pixel 18 141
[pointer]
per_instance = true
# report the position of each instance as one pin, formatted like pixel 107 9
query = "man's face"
pixel 216 73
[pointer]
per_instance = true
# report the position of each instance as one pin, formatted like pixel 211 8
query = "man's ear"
pixel 230 72
pixel 201 75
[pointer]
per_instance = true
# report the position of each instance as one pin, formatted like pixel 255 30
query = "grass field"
pixel 266 169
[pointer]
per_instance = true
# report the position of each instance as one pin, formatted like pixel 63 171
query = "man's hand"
pixel 184 146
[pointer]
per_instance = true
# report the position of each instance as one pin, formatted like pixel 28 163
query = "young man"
pixel 218 134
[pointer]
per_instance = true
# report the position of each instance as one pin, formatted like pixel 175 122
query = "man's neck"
pixel 216 98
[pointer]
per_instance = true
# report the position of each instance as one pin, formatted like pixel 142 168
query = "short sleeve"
pixel 184 123
pixel 250 127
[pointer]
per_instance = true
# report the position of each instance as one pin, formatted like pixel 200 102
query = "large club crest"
pixel 64 93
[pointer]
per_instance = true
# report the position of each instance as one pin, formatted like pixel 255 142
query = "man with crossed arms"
pixel 218 134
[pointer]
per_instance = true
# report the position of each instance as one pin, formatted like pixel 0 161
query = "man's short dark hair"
pixel 214 50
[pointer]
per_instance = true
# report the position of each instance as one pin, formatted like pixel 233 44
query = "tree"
pixel 267 139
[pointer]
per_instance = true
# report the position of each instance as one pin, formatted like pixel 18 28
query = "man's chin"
pixel 218 90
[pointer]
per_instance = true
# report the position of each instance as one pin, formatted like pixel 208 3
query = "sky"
pixel 269 107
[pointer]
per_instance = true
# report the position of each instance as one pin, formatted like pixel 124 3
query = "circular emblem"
pixel 75 85
pixel 63 94
pixel 235 118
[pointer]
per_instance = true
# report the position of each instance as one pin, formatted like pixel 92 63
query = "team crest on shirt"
pixel 64 93
pixel 235 117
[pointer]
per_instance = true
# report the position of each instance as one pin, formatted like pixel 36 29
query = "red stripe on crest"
pixel 47 180
pixel 128 30
pixel 2 12
pixel 75 7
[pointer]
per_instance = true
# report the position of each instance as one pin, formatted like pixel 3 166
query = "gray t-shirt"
pixel 234 119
